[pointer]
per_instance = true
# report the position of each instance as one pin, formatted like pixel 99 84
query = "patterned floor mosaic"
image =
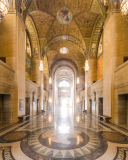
pixel 64 135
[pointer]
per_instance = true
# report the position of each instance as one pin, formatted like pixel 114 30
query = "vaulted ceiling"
pixel 85 16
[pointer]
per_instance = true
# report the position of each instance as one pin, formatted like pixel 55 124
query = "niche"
pixel 6 113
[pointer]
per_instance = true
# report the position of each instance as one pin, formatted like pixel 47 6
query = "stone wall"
pixel 32 93
pixel 95 91
pixel 33 98
pixel 6 93
pixel 121 94
pixel 115 48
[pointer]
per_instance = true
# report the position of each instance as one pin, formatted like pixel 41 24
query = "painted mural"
pixel 93 50
pixel 100 48
pixel 28 60
pixel 100 67
pixel 64 15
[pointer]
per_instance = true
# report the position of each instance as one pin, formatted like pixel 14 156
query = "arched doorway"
pixel 64 94
pixel 64 88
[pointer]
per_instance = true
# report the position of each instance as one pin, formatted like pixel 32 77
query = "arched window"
pixel 64 83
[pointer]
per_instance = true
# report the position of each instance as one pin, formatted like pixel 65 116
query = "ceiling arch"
pixel 58 29
pixel 52 6
pixel 64 73
pixel 81 33
pixel 65 38
pixel 64 62
pixel 42 21
pixel 33 37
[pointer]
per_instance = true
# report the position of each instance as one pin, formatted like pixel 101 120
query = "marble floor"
pixel 64 135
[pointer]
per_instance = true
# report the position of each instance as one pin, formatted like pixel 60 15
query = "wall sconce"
pixel 78 119
pixel 50 100
pixel 41 66
pixel 78 80
pixel 86 66
pixel 78 100
pixel 50 80
pixel 3 9
pixel 124 8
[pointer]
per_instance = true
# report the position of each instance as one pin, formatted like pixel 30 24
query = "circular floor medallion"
pixel 62 141
pixel 14 136
pixel 53 144
pixel 113 137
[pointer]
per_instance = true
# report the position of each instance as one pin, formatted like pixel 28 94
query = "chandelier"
pixel 124 8
pixel 86 66
pixel 3 8
pixel 41 66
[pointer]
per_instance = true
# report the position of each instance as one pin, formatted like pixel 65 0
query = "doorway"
pixel 27 106
pixel 90 105
pixel 100 106
pixel 38 105
pixel 6 113
pixel 64 92
pixel 123 109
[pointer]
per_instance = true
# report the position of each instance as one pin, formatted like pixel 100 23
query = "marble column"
pixel 41 90
pixel 86 89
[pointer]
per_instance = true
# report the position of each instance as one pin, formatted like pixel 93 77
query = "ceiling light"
pixel 50 80
pixel 86 66
pixel 41 66
pixel 64 50
pixel 78 80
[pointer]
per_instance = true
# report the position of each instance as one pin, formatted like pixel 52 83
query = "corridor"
pixel 63 134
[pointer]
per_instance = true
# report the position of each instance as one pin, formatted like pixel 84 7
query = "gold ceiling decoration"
pixel 64 50
pixel 64 15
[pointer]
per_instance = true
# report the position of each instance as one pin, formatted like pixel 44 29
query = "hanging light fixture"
pixel 86 66
pixel 41 62
pixel 124 8
pixel 3 9
pixel 41 65
pixel 78 80
pixel 50 80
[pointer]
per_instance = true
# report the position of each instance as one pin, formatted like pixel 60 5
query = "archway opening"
pixel 64 93
pixel 64 88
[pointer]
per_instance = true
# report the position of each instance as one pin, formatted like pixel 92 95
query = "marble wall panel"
pixel 121 94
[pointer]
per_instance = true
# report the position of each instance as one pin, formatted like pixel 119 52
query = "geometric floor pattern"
pixel 36 146
pixel 64 135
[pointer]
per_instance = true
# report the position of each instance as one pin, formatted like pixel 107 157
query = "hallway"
pixel 63 134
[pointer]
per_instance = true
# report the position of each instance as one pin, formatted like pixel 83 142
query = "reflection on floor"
pixel 64 135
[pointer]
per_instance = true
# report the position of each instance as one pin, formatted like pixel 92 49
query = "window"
pixel 64 83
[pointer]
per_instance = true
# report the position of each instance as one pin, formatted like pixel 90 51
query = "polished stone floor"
pixel 64 135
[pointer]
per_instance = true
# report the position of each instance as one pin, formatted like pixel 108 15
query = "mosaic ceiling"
pixel 64 73
pixel 75 24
